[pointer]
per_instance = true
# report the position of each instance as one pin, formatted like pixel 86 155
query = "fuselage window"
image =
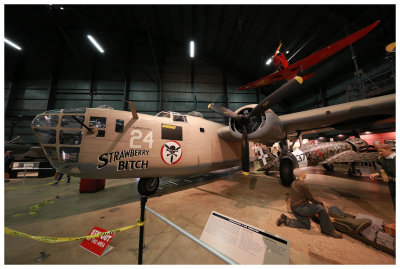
pixel 179 118
pixel 69 155
pixel 99 122
pixel 202 130
pixel 119 126
pixel 69 122
pixel 101 133
pixel 70 137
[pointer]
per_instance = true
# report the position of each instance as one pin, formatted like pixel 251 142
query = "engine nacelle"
pixel 266 128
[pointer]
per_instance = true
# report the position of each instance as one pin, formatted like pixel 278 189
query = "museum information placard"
pixel 243 243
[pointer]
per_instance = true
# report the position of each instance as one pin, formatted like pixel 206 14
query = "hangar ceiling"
pixel 236 39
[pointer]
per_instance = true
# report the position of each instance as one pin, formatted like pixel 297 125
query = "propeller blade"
pixel 278 95
pixel 222 111
pixel 277 50
pixel 245 153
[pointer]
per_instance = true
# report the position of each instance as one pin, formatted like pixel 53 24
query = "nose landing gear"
pixel 148 186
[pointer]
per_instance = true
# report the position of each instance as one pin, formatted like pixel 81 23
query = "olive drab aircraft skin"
pixel 119 146
pixel 106 143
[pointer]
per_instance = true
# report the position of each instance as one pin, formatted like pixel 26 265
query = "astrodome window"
pixel 45 121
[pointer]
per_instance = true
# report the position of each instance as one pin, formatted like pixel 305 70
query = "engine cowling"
pixel 265 128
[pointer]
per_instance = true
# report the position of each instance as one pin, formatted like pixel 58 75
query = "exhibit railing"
pixel 191 237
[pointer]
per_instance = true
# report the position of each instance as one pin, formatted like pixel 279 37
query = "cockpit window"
pixel 163 114
pixel 45 121
pixel 69 137
pixel 46 136
pixel 69 155
pixel 75 110
pixel 51 153
pixel 99 122
pixel 69 122
pixel 179 118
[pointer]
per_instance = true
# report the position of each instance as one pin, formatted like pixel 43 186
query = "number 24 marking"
pixel 137 134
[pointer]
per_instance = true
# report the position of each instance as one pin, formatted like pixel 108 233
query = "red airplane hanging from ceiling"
pixel 288 71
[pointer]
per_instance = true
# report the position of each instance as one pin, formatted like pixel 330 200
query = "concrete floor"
pixel 256 199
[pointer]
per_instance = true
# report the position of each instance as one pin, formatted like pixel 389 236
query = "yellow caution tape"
pixel 35 186
pixel 50 239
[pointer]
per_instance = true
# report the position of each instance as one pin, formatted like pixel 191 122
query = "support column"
pixel 225 85
pixel 192 75
pixel 14 81
pixel 92 90
pixel 55 74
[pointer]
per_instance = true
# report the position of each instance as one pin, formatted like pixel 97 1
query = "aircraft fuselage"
pixel 120 146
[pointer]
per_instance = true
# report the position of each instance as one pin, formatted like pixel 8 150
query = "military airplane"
pixel 288 71
pixel 351 151
pixel 105 143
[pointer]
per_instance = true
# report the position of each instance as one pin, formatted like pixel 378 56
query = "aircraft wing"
pixel 345 116
pixel 351 156
pixel 277 76
pixel 324 53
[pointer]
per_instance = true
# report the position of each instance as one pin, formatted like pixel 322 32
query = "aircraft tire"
pixel 328 167
pixel 148 186
pixel 286 171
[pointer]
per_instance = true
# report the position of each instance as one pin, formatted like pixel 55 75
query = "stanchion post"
pixel 143 200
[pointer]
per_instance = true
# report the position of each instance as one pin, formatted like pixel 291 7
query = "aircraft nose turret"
pixel 60 136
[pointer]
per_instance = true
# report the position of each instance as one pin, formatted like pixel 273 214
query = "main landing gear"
pixel 353 171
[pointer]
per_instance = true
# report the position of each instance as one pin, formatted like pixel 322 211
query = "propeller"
pixel 274 98
pixel 277 50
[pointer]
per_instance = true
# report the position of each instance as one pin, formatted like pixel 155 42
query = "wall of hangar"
pixel 49 74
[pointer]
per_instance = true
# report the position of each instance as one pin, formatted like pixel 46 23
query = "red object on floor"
pixel 91 185
pixel 390 229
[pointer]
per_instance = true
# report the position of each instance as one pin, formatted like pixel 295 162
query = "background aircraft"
pixel 105 143
pixel 351 151
pixel 288 71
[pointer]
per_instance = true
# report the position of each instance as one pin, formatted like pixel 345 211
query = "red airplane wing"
pixel 324 53
pixel 264 81
pixel 311 60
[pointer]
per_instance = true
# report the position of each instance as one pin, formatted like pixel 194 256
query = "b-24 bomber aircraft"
pixel 105 143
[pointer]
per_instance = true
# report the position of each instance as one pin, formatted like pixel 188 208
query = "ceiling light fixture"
pixel 191 49
pixel 287 52
pixel 12 44
pixel 94 42
pixel 269 61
